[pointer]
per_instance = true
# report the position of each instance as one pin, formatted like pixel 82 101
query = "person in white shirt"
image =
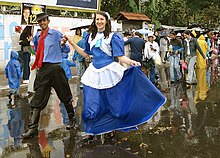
pixel 163 46
pixel 151 54
pixel 15 44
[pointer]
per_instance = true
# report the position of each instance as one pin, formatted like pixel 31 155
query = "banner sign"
pixel 29 13
pixel 75 4
pixel 89 4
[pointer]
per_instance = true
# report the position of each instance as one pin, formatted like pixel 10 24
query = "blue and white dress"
pixel 115 98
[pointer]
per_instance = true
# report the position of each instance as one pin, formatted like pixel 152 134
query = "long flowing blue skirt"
pixel 133 101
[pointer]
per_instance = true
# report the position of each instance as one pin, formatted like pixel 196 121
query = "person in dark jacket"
pixel 13 74
pixel 137 47
pixel 25 38
pixel 190 46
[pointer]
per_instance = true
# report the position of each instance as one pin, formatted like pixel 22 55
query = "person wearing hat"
pixel 15 44
pixel 51 45
pixel 151 53
pixel 175 44
pixel 179 37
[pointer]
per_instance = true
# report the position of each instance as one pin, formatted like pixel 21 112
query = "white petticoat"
pixel 103 78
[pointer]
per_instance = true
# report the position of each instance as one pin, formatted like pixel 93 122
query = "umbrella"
pixel 144 31
pixel 165 33
pixel 80 27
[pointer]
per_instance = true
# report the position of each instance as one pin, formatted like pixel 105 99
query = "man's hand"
pixel 64 40
pixel 176 52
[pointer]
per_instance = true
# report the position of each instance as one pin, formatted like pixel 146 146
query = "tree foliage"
pixel 115 6
pixel 170 12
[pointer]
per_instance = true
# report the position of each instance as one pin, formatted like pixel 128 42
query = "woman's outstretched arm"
pixel 128 61
pixel 77 48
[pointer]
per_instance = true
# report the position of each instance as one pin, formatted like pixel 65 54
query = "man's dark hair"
pixel 188 32
pixel 173 33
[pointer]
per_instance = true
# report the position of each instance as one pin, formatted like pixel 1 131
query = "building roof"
pixel 132 16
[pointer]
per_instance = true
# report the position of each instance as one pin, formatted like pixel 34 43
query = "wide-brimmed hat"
pixel 178 35
pixel 41 16
pixel 151 35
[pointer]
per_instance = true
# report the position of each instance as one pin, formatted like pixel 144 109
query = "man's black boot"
pixel 33 124
pixel 71 115
pixel 72 121
pixel 31 133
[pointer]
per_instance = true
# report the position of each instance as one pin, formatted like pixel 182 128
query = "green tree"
pixel 170 12
pixel 209 17
pixel 115 6
pixel 133 5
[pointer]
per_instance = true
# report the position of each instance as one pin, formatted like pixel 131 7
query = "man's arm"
pixel 127 42
pixel 65 48
pixel 200 50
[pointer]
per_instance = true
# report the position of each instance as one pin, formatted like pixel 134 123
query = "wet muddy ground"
pixel 187 126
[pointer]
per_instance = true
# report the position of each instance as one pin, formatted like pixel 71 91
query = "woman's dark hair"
pixel 80 32
pixel 93 28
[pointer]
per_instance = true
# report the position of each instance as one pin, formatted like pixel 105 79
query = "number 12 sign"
pixel 29 13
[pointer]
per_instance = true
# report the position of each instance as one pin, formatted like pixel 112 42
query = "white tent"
pixel 144 31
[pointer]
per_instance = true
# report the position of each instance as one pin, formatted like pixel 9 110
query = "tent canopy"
pixel 144 31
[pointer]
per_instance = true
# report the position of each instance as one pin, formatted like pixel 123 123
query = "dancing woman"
pixel 115 98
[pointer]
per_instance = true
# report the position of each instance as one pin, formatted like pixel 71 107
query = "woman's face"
pixel 78 32
pixel 100 22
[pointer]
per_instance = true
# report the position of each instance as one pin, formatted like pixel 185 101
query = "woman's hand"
pixel 75 46
pixel 134 63
pixel 64 40
pixel 128 61
pixel 68 38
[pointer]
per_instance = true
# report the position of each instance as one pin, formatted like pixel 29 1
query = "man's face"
pixel 26 13
pixel 186 36
pixel 172 36
pixel 150 38
pixel 43 23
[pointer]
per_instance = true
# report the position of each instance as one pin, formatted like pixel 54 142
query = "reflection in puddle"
pixel 188 125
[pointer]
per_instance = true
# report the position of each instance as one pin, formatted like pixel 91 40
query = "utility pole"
pixel 139 6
